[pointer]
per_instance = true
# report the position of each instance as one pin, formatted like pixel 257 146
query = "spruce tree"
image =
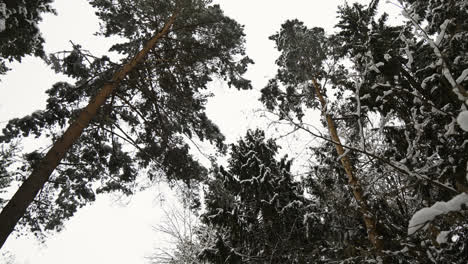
pixel 258 210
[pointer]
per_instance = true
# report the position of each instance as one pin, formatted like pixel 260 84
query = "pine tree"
pixel 417 152
pixel 302 64
pixel 141 110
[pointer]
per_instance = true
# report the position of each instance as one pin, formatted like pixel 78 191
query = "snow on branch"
pixel 462 120
pixel 427 214
pixel 343 155
pixel 441 35
pixel 462 76
pixel 457 88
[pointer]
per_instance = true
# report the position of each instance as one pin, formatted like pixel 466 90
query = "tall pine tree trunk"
pixel 25 195
pixel 371 224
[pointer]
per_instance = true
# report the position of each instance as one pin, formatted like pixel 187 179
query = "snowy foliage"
pixel 425 215
pixel 257 209
pixel 400 109
pixel 395 96
pixel 145 126
pixel 19 33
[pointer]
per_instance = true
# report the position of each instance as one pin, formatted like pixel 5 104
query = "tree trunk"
pixel 17 206
pixel 371 224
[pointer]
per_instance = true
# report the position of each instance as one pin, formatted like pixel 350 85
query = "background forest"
pixel 377 109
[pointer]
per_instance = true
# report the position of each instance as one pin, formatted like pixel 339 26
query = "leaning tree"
pixel 125 117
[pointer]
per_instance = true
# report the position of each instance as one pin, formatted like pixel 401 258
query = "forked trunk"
pixel 26 193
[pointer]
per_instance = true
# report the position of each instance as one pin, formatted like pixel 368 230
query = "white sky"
pixel 109 232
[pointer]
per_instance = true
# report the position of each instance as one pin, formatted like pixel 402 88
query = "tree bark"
pixel 17 206
pixel 371 224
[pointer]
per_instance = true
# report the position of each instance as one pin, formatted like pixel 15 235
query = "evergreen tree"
pixel 307 57
pixel 395 103
pixel 409 78
pixel 258 210
pixel 406 80
pixel 141 110
pixel 417 79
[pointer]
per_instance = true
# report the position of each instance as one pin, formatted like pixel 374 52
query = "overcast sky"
pixel 121 232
